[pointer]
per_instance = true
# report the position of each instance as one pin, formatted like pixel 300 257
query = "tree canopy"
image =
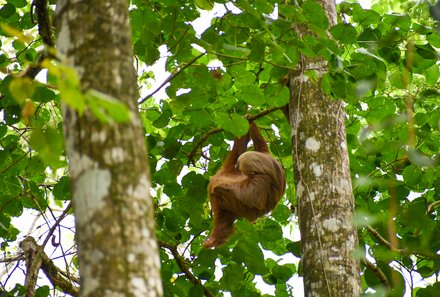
pixel 196 89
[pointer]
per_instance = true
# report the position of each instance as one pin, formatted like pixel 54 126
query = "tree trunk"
pixel 323 183
pixel 117 248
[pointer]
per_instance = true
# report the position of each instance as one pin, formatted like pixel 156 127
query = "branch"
pixel 181 263
pixel 200 142
pixel 263 113
pixel 43 21
pixel 378 272
pixel 432 206
pixel 35 259
pixel 55 277
pixel 383 240
pixel 170 78
pixel 32 255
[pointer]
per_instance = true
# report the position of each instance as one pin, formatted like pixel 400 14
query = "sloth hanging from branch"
pixel 248 185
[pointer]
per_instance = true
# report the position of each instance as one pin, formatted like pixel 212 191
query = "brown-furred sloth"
pixel 248 185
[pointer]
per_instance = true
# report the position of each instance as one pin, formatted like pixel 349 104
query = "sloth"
pixel 248 185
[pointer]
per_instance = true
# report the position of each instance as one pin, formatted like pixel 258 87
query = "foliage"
pixel 383 65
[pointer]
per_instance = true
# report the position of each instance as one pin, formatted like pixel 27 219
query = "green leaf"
pixel 22 89
pixel 7 10
pixel 263 6
pixel 49 144
pixel 345 33
pixel 424 56
pixel 62 190
pixel 18 3
pixel 107 108
pixel 315 14
pixel 412 175
pixel 277 95
pixel 248 246
pixel 426 51
pixel 433 39
pixel 163 120
pixel 281 213
pixel 10 186
pixel 33 197
pixel 252 94
pixel 369 36
pixel 204 4
pixel 365 17
pixel 432 74
pixel 234 123
pixel 294 248
pixel 232 276
pixel 68 84
pixel 171 148
pixel 43 94
pixel 282 272
pixel 399 77
pixel 42 291
pixel 270 231
pixel 257 49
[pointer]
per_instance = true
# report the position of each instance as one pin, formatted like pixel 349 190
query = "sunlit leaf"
pixel 204 4
pixel 49 144
pixel 106 108
pixel 234 124
pixel 22 89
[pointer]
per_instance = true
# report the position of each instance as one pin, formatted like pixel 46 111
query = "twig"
pixel 181 263
pixel 170 78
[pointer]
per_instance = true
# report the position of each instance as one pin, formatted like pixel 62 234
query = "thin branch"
pixel 200 143
pixel 181 263
pixel 383 240
pixel 170 78
pixel 378 272
pixel 386 243
pixel 55 277
pixel 57 222
pixel 202 140
pixel 263 113
pixel 432 206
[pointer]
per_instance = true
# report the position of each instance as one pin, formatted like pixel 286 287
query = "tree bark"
pixel 323 182
pixel 117 248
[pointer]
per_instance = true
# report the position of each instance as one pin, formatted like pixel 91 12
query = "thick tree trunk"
pixel 323 183
pixel 117 248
